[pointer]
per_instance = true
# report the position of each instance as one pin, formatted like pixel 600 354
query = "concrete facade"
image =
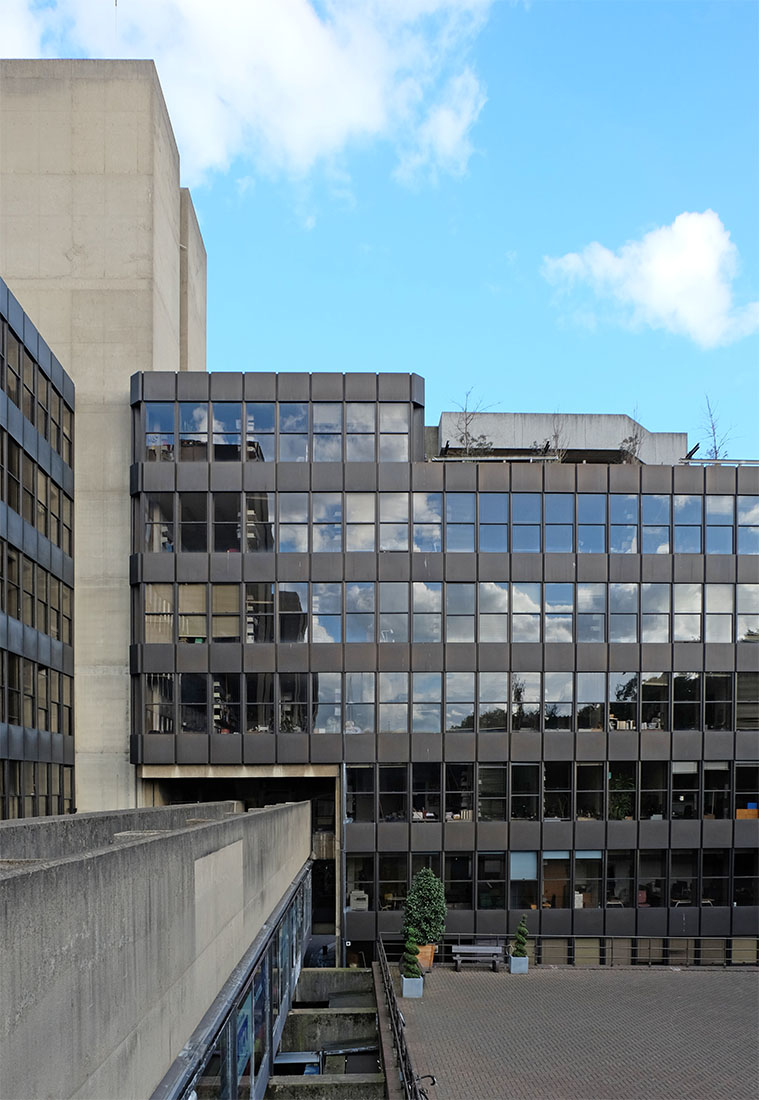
pixel 119 930
pixel 102 248
pixel 508 431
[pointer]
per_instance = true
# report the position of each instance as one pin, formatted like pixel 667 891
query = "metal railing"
pixel 409 1079
pixel 605 951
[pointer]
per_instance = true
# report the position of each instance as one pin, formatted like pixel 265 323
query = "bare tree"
pixel 466 439
pixel 716 439
pixel 629 447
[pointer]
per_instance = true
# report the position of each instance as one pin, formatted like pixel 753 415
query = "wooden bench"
pixel 477 952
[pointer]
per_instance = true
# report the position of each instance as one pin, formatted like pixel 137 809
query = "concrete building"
pixel 535 675
pixel 101 246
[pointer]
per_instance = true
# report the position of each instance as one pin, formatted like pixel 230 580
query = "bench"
pixel 477 952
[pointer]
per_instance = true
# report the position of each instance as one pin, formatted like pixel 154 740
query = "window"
pixel 293 611
pixel 259 424
pixel 293 702
pixel 459 522
pixel 259 522
pixel 359 702
pixel 393 512
pixel 656 524
pixel 525 612
pixel 259 688
pixel 458 880
pixel 359 611
pixel 687 605
pixel 494 611
pixel 652 879
pixel 622 791
pixel 523 874
pixel 525 523
pixel 591 700
pixel 558 700
pixel 293 431
pixel 459 701
pixel 559 613
pixel 688 515
pixel 491 782
pixel 525 700
pixel 620 878
pixel 686 711
pixel 158 518
pixel 293 522
pixel 683 890
pixel 718 696
pixel 559 516
pixel 588 876
pixel 191 607
pixel 393 792
pixel 491 880
pixel 327 509
pixel 493 701
pixel 193 702
pixel 557 790
pixel 525 792
pixel 226 523
pixel 623 524
pixel 591 523
pixel 459 792
pixel 590 792
pixel 360 426
pixel 654 606
pixel 427 599
pixel 716 789
pixel 227 421
pixel 426 700
pixel 393 702
pixel 654 799
pixel 623 612
pixel 259 611
pixel 359 882
pixel 327 689
pixel 328 428
pixel 748 524
pixel 159 702
pixel 359 521
pixel 193 537
pixel 159 613
pixel 715 866
pixel 428 522
pixel 654 700
pixel 747 600
pixel 719 524
pixel 459 612
pixel 359 793
pixel 394 428
pixel 685 787
pixel 747 692
pixel 746 790
pixel 425 792
pixel 623 700
pixel 555 880
pixel 494 518
pixel 393 603
pixel 326 612
pixel 718 606
pixel 225 613
pixel 159 432
pixel 591 612
pixel 193 431
pixel 393 881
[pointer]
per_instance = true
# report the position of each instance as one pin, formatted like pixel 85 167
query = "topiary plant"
pixel 425 910
pixel 520 939
pixel 409 962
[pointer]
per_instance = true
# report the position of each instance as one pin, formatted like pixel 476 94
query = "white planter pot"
pixel 517 965
pixel 412 987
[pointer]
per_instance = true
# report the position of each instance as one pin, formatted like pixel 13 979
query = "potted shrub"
pixel 518 960
pixel 412 982
pixel 424 914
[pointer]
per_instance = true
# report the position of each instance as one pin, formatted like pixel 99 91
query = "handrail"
pixel 409 1079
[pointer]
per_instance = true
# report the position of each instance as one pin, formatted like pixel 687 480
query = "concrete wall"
pixel 90 236
pixel 110 956
pixel 576 431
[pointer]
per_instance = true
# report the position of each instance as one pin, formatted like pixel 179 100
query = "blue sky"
pixel 554 203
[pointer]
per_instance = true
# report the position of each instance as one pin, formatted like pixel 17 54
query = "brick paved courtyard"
pixel 622 1034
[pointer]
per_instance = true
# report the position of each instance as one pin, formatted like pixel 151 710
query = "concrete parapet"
pixel 328 1086
pixel 112 952
pixel 320 984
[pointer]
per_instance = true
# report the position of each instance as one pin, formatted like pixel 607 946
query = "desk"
pixel 614 903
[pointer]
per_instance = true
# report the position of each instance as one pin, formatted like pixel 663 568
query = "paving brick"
pixel 564 1034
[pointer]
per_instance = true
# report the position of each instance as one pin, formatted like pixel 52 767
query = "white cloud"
pixel 678 277
pixel 287 84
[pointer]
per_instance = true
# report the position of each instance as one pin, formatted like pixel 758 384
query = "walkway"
pixel 622 1034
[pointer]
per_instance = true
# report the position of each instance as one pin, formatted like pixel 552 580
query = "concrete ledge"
pixel 317 1028
pixel 327 1086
